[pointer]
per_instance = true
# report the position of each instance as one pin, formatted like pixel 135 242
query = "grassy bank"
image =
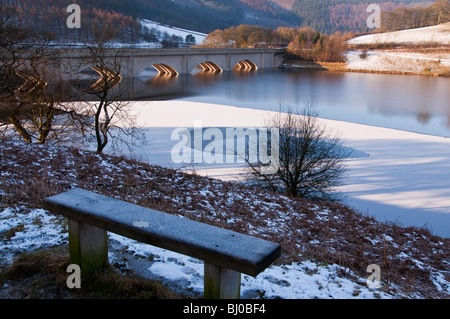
pixel 414 263
pixel 405 62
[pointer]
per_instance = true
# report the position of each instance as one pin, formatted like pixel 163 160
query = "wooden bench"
pixel 226 254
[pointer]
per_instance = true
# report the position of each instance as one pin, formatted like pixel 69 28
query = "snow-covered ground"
pixel 199 37
pixel 439 34
pixel 161 29
pixel 306 280
pixel 398 61
pixel 402 60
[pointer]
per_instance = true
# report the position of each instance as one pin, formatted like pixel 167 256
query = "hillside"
pixel 326 246
pixel 414 51
pixel 329 16
pixel 204 16
pixel 418 51
pixel 433 35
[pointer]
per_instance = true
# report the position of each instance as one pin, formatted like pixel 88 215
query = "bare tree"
pixel 311 159
pixel 111 116
pixel 32 88
pixel 37 112
pixel 30 92
pixel 443 9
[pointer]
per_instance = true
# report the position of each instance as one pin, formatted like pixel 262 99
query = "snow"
pixel 402 60
pixel 398 61
pixel 34 229
pixel 170 271
pixel 435 34
pixel 199 37
pixel 405 179
pixel 306 280
pixel 297 281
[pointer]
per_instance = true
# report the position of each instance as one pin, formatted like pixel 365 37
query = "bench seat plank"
pixel 214 245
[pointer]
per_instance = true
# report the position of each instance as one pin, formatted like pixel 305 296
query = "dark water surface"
pixel 407 102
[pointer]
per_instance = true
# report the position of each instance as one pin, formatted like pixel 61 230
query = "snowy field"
pixel 439 34
pixel 199 37
pixel 403 62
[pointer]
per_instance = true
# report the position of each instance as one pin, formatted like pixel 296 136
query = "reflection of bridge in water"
pixel 157 86
pixel 206 66
pixel 184 61
pixel 170 69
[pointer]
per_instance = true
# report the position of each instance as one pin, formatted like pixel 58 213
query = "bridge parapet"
pixel 134 61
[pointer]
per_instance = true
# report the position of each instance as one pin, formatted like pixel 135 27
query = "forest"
pixel 49 17
pixel 408 18
pixel 301 43
pixel 329 16
pixel 325 16
pixel 314 45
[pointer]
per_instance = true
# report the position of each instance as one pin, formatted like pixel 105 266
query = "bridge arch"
pixel 245 65
pixel 209 66
pixel 165 69
pixel 112 78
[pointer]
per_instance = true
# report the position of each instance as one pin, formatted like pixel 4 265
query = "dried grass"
pixel 327 232
pixel 43 274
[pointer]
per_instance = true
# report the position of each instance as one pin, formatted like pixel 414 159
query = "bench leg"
pixel 221 283
pixel 88 246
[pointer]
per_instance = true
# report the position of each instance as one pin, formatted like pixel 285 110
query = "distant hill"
pixel 329 16
pixel 205 16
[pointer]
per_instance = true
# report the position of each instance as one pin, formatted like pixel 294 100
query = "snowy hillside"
pixel 161 29
pixel 399 62
pixel 439 34
pixel 408 58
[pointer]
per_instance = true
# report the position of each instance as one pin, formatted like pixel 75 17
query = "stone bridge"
pixel 183 61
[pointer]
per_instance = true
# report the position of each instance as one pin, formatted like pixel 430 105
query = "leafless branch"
pixel 311 159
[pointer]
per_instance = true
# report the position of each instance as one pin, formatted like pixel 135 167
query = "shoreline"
pixel 342 67
pixel 400 62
